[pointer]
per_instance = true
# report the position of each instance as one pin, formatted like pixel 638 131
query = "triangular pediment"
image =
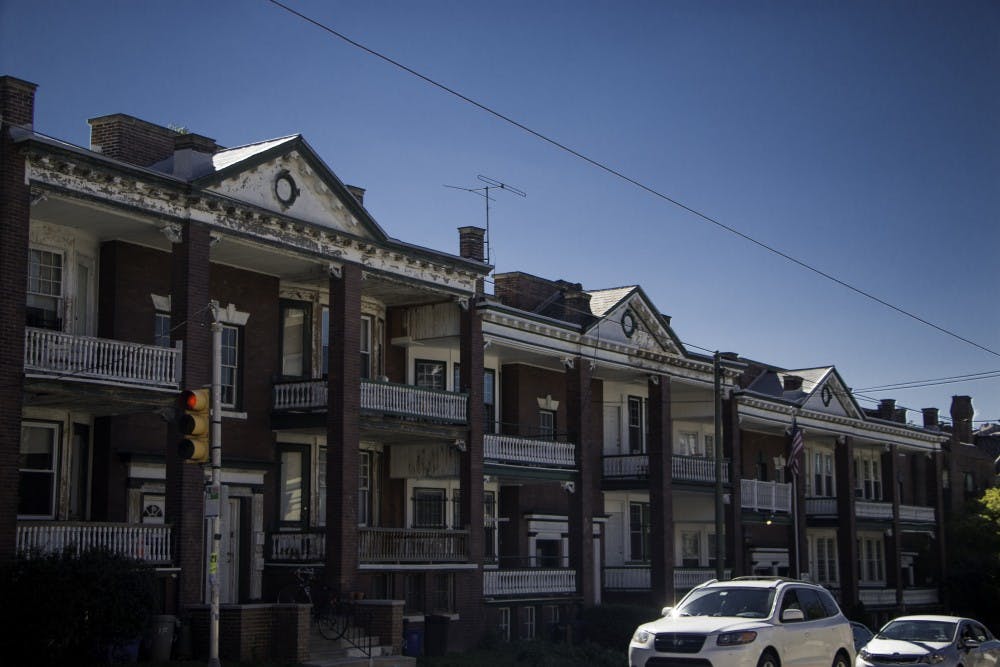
pixel 286 177
pixel 827 393
pixel 628 318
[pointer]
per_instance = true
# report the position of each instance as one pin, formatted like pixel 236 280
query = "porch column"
pixel 893 541
pixel 579 428
pixel 660 450
pixel 732 448
pixel 469 591
pixel 342 428
pixel 17 108
pixel 936 498
pixel 847 522
pixel 190 318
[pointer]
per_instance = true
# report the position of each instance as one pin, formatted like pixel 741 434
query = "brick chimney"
pixel 193 155
pixel 472 243
pixel 129 139
pixel 576 304
pixel 792 383
pixel 359 193
pixel 962 413
pixel 931 418
pixel 887 409
pixel 17 102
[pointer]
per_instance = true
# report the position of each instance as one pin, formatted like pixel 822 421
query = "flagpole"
pixel 795 522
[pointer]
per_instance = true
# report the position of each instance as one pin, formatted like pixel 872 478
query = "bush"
pixel 67 609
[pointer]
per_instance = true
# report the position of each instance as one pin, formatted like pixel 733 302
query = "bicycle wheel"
pixel 293 594
pixel 332 617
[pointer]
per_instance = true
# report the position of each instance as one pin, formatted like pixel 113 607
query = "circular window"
pixel 285 189
pixel 628 323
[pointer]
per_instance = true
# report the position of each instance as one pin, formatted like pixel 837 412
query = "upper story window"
pixel 868 475
pixel 547 424
pixel 823 558
pixel 429 507
pixel 429 374
pixel 689 444
pixel 161 329
pixel 821 463
pixel 295 344
pixel 636 424
pixel 230 362
pixel 489 400
pixel 45 289
pixel 37 464
pixel 365 334
pixel 639 529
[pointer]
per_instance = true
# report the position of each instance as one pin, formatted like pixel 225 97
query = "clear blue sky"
pixel 860 137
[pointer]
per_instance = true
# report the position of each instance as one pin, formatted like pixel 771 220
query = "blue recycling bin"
pixel 413 641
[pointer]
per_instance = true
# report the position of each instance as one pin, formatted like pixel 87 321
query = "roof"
pixel 772 383
pixel 231 156
pixel 603 300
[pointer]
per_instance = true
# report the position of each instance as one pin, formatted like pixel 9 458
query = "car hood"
pixel 702 624
pixel 892 646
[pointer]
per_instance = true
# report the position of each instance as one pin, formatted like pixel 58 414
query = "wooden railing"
pixel 686 578
pixel 918 596
pixel 627 466
pixel 877 597
pixel 821 506
pixel 867 509
pixel 916 514
pixel 529 581
pixel 62 354
pixel 298 547
pixel 766 496
pixel 627 578
pixel 412 545
pixel 683 468
pixel 516 450
pixel 383 397
pixel 146 542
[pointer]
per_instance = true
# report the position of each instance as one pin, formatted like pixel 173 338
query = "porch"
pixel 529 581
pixel 637 577
pixel 375 546
pixel 765 496
pixel 683 468
pixel 145 542
pixel 384 398
pixel 528 452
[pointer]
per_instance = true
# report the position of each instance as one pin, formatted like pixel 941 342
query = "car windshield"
pixel 919 631
pixel 742 602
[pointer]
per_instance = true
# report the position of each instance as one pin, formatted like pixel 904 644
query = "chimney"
pixel 792 383
pixel 961 417
pixel 576 304
pixel 359 193
pixel 931 418
pixel 129 139
pixel 887 409
pixel 193 155
pixel 899 415
pixel 471 243
pixel 17 102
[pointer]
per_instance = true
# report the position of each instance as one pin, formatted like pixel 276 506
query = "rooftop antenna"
pixel 484 192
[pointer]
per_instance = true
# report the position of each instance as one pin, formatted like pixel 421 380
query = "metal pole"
pixel 720 548
pixel 795 522
pixel 215 491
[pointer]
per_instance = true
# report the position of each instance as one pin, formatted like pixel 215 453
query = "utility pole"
pixel 720 544
pixel 213 506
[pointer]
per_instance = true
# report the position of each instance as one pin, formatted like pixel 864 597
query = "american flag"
pixel 795 450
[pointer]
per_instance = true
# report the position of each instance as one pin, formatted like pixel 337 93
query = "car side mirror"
pixel 792 615
pixel 969 642
pixel 666 611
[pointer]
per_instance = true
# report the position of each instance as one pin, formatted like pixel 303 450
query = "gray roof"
pixel 603 300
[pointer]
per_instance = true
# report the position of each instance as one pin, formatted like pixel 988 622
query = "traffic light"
pixel 195 424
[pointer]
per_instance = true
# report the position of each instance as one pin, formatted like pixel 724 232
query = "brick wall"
pixel 250 633
pixel 386 622
pixel 131 140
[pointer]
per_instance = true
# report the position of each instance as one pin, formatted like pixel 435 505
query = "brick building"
pixel 497 460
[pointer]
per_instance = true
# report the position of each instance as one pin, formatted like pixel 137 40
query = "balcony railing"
pixel 821 506
pixel 683 468
pixel 383 397
pixel 915 514
pixel 145 542
pixel 412 545
pixel 867 509
pixel 113 361
pixel 516 450
pixel 529 581
pixel 687 578
pixel 766 496
pixel 920 596
pixel 298 547
pixel 878 597
pixel 635 578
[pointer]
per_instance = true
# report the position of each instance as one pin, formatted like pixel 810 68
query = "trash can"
pixel 162 637
pixel 413 641
pixel 436 634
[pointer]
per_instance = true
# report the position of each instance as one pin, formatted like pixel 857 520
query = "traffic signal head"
pixel 195 425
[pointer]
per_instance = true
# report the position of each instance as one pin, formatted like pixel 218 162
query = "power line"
pixel 615 172
pixel 985 375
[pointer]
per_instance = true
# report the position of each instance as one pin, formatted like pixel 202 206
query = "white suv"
pixel 747 622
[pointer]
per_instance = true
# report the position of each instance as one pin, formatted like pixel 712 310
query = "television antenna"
pixel 484 192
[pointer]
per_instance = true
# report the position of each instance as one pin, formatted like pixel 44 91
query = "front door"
pixel 229 553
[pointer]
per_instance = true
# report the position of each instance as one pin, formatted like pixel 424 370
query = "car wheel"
pixel 841 661
pixel 768 659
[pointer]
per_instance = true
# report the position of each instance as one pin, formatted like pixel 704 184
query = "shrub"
pixel 67 609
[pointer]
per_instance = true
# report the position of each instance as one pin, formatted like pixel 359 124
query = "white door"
pixel 229 553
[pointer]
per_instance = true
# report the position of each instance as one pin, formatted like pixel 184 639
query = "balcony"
pixel 878 597
pixel 625 578
pixel 821 507
pixel 385 398
pixel 298 547
pixel 146 542
pixel 67 356
pixel 920 596
pixel 376 545
pixel 529 581
pixel 686 578
pixel 765 496
pixel 866 509
pixel 683 468
pixel 915 514
pixel 528 452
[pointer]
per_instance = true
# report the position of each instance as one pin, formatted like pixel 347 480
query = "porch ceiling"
pixel 95 398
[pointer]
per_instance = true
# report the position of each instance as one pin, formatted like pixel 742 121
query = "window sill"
pixel 232 414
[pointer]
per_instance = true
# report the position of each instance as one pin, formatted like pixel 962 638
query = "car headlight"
pixel 865 655
pixel 935 658
pixel 641 637
pixel 736 638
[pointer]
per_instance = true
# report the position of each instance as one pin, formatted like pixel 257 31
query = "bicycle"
pixel 330 614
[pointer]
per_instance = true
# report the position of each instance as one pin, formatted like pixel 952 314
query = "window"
pixel 456 508
pixel 690 548
pixel 503 624
pixel 295 320
pixel 548 553
pixel 152 508
pixel 812 606
pixel 36 488
pixel 636 439
pixel 413 595
pixel 442 592
pixel 760 468
pixel 79 472
pixel 871 559
pixel 970 484
pixel 364 488
pixel 324 337
pixel 688 444
pixel 639 528
pixel 868 475
pixel 710 446
pixel 293 491
pixel 44 297
pixel 489 401
pixel 491 525
pixel 547 424
pixel 822 469
pixel 824 559
pixel 161 329
pixel 230 362
pixel 365 335
pixel 430 374
pixel 320 511
pixel 428 508
pixel 528 614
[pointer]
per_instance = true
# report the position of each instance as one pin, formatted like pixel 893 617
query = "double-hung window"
pixel 430 374
pixel 689 444
pixel 822 469
pixel 45 289
pixel 295 342
pixel 639 529
pixel 547 424
pixel 37 467
pixel 871 559
pixel 824 559
pixel 230 362
pixel 364 488
pixel 636 431
pixel 366 347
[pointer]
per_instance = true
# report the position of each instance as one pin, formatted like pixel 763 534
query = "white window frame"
pixel 871 559
pixel 364 487
pixel 60 298
pixel 529 622
pixel 820 463
pixel 823 560
pixel 868 475
pixel 635 409
pixel 503 624
pixel 55 431
pixel 365 335
pixel 689 443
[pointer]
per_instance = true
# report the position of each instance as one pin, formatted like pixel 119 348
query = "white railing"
pixel 412 545
pixel 877 597
pixel 629 466
pixel 766 496
pixel 915 514
pixel 821 506
pixel 58 353
pixel 916 596
pixel 865 509
pixel 627 578
pixel 146 542
pixel 697 469
pixel 685 578
pixel 298 547
pixel 385 397
pixel 529 452
pixel 534 581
